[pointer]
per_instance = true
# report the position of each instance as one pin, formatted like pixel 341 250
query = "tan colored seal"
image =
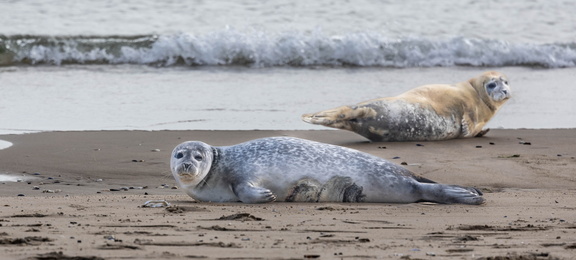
pixel 426 113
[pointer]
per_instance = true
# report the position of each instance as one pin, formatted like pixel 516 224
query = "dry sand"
pixel 83 191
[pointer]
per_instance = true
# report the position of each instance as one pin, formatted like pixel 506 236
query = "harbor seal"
pixel 297 170
pixel 426 113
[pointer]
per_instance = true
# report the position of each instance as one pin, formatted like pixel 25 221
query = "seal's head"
pixel 493 88
pixel 191 162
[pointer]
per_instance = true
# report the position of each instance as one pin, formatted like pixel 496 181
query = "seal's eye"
pixel 179 155
pixel 491 85
pixel 198 158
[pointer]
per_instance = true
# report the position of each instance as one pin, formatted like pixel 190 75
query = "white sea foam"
pixel 264 49
pixel 4 144
pixel 14 178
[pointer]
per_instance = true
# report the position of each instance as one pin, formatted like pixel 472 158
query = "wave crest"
pixel 261 49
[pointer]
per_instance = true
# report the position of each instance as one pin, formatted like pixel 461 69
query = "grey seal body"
pixel 399 120
pixel 426 113
pixel 292 169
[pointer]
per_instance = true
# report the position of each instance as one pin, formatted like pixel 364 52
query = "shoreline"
pixel 108 155
pixel 88 188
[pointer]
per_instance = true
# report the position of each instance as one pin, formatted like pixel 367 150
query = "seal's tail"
pixel 341 117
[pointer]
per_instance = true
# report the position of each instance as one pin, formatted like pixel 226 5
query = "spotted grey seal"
pixel 292 169
pixel 426 113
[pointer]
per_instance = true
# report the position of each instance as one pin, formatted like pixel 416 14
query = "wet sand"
pixel 81 194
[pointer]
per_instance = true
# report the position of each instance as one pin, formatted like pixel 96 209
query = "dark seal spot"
pixel 305 190
pixel 353 193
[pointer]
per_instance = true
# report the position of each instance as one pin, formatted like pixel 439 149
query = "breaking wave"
pixel 262 49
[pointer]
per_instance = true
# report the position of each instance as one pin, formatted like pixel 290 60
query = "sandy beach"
pixel 80 196
pixel 94 97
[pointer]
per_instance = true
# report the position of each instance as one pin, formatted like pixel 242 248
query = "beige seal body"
pixel 426 113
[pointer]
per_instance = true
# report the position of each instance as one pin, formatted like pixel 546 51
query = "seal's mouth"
pixel 185 178
pixel 184 171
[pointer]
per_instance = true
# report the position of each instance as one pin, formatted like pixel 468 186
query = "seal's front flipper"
pixel 450 194
pixel 248 193
pixel 341 117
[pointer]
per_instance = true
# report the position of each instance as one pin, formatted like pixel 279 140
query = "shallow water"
pixel 135 98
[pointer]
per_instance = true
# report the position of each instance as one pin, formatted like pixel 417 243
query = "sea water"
pixel 240 65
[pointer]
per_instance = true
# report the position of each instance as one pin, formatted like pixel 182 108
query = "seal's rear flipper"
pixel 341 117
pixel 451 194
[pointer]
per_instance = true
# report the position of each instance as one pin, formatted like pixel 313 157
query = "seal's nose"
pixel 187 166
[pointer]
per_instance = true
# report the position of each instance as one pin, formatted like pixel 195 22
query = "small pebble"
pixel 155 150
pixel 419 145
pixel 491 143
pixel 396 157
pixel 21 195
pixel 156 204
pixel 404 163
pixel 99 180
pixel 51 191
pixel 35 188
pixel 478 146
pixel 381 147
pixel 35 173
pixel 525 143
